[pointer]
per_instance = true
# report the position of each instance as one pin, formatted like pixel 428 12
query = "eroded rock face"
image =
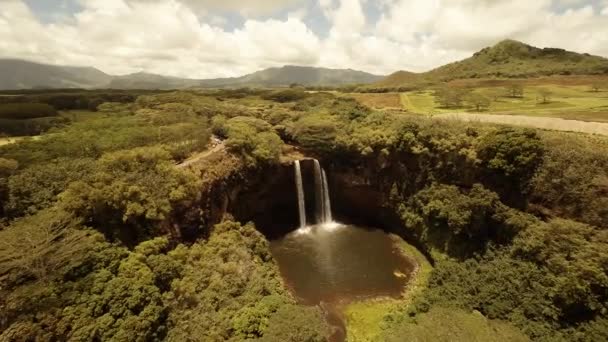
pixel 266 195
pixel 268 198
pixel 359 196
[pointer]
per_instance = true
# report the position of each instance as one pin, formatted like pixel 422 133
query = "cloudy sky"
pixel 217 38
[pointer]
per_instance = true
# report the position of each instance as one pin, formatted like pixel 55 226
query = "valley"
pixel 466 203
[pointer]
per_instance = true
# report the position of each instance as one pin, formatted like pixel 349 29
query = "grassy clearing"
pixel 379 101
pixel 365 320
pixel 567 102
pixel 421 102
pixel 451 325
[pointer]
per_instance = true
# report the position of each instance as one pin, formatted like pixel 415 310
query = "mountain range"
pixel 20 74
pixel 507 59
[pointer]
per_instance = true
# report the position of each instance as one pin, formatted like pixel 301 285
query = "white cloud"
pixel 163 37
pixel 458 28
pixel 299 13
pixel 186 37
pixel 246 8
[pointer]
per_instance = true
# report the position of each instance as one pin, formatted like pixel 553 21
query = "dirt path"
pixel 531 121
pixel 202 155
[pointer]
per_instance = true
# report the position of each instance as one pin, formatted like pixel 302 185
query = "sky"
pixel 222 38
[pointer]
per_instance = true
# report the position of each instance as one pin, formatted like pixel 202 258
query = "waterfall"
pixel 326 201
pixel 322 201
pixel 300 190
pixel 319 193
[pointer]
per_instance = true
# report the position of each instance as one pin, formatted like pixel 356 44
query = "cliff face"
pixel 360 191
pixel 263 194
pixel 266 195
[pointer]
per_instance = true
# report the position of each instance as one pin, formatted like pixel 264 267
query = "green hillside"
pixel 507 59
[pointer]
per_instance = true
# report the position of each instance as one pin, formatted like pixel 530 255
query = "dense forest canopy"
pixel 95 214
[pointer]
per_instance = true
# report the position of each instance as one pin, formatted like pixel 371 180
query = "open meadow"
pixel 573 102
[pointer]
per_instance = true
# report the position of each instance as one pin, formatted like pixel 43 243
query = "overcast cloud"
pixel 218 38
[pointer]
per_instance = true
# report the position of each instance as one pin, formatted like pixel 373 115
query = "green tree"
pixel 317 131
pixel 41 245
pixel 515 90
pixel 288 95
pixel 458 222
pixel 294 323
pixel 253 139
pixel 7 168
pixel 22 111
pixel 509 157
pixel 479 101
pixel 544 96
pixel 449 97
pixel 37 186
pixel 218 126
pixel 230 288
pixel 572 180
pixel 576 255
pixel 131 192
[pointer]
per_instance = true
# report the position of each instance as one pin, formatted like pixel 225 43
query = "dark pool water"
pixel 334 264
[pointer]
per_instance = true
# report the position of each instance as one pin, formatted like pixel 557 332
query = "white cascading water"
pixel 300 191
pixel 326 200
pixel 322 201
pixel 319 193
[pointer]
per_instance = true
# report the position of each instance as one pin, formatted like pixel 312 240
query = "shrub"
pixel 21 111
pixel 288 95
pixel 34 126
pixel 510 157
pixel 253 139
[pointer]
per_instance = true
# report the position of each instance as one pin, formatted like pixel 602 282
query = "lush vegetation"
pixel 32 112
pixel 22 111
pixel 511 58
pixel 93 244
pixel 90 244
pixel 28 118
pixel 89 289
pixel 483 202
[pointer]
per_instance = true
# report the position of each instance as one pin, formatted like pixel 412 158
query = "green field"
pixel 568 102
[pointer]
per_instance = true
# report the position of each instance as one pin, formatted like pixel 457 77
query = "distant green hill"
pixel 288 74
pixel 507 59
pixel 20 74
pixel 400 78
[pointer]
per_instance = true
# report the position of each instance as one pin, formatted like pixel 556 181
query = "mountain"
pixel 20 74
pixel 142 80
pixel 290 74
pixel 507 59
pixel 399 78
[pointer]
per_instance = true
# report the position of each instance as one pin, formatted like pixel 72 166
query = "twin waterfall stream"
pixel 322 201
